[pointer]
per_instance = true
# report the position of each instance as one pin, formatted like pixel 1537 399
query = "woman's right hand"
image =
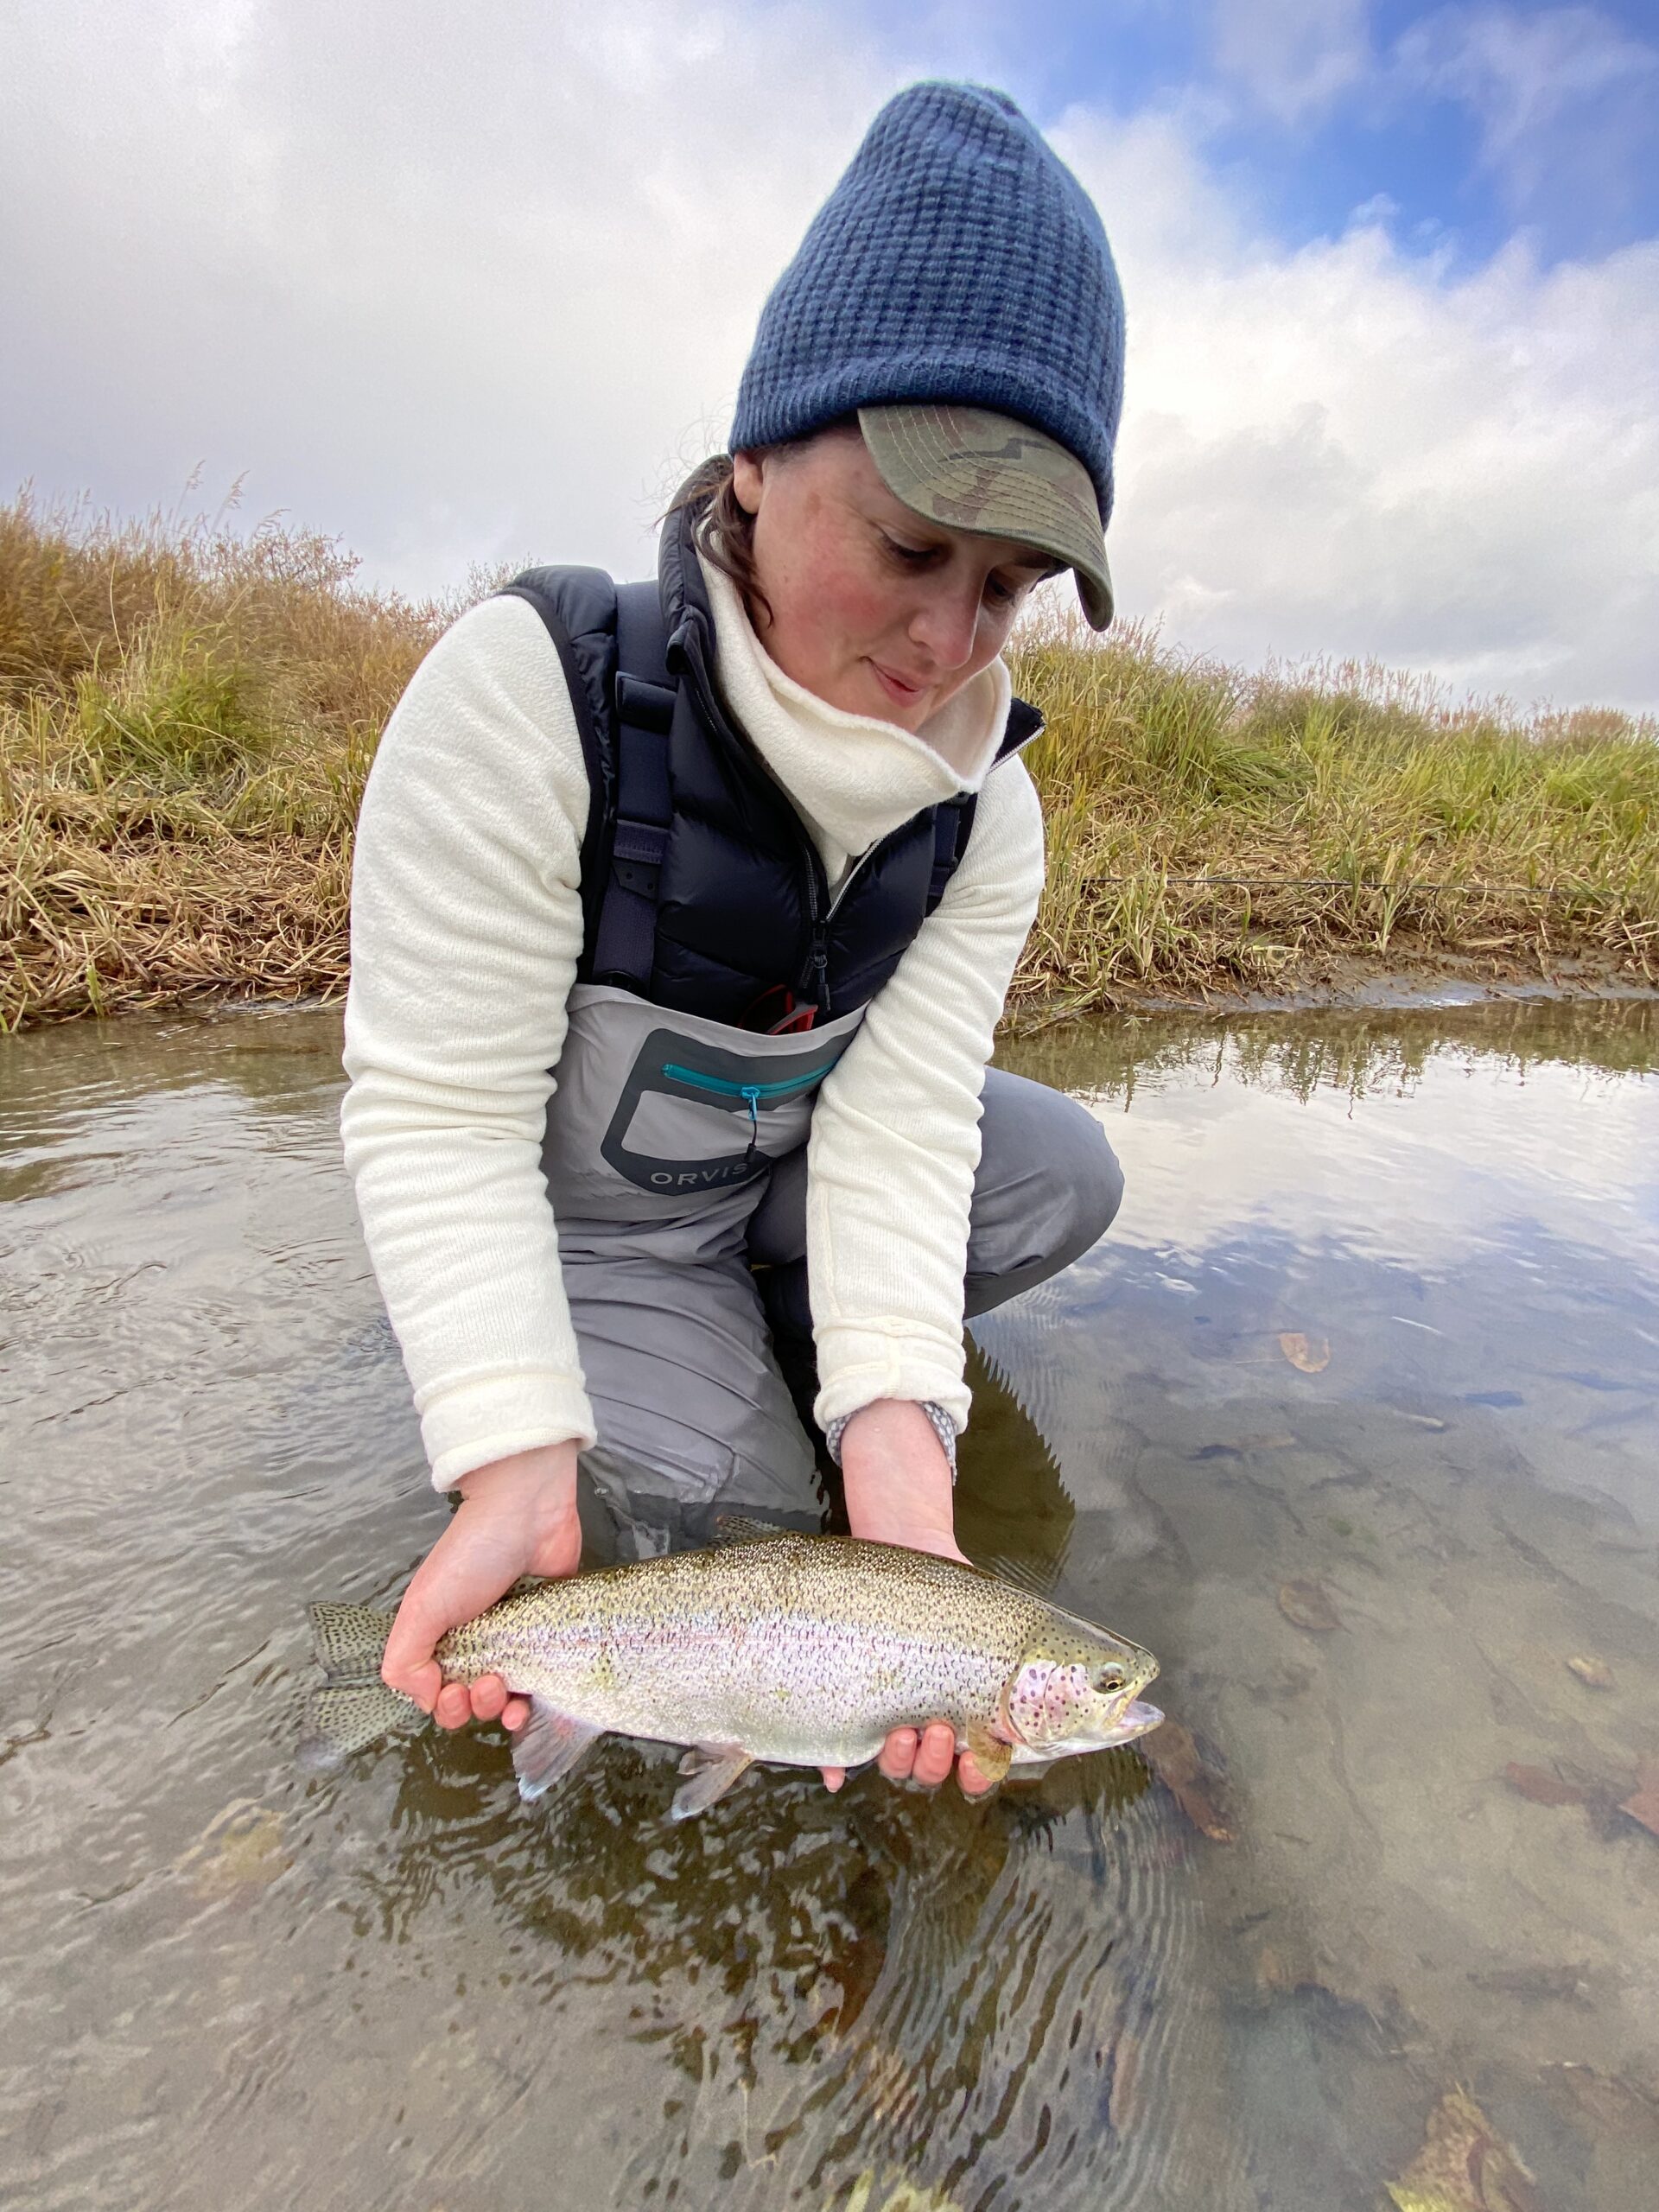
pixel 515 1516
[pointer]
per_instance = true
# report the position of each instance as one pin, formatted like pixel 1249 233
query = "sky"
pixel 465 285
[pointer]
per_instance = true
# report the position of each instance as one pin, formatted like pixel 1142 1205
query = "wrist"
pixel 896 1477
pixel 548 1470
pixel 884 1413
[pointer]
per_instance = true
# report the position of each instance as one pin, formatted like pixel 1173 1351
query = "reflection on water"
pixel 1353 1421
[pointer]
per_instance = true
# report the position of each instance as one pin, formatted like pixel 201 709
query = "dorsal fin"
pixel 739 1528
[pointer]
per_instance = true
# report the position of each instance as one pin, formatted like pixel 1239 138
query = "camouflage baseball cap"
pixel 972 469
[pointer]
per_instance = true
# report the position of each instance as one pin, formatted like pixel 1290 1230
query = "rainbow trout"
pixel 801 1650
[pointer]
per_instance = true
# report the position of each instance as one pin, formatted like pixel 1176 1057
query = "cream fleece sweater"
pixel 466 930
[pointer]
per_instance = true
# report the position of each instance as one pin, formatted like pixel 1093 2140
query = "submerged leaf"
pixel 1464 2165
pixel 1539 1784
pixel 1309 1355
pixel 239 1850
pixel 1172 1753
pixel 1644 1805
pixel 1308 1606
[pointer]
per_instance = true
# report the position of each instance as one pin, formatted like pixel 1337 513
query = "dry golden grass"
pixel 187 717
pixel 1211 832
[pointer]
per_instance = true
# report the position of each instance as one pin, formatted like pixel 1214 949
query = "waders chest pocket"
pixel 692 1117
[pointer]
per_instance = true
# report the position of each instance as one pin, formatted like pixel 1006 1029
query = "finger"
pixel 420 1623
pixel 936 1754
pixel 833 1776
pixel 489 1698
pixel 455 1707
pixel 515 1713
pixel 974 1782
pixel 422 1683
pixel 898 1754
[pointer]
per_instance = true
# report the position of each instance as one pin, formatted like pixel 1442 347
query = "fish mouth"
pixel 1134 1717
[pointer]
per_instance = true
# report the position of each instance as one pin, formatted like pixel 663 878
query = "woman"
pixel 683 917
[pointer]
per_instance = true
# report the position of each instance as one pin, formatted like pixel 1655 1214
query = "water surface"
pixel 1353 1421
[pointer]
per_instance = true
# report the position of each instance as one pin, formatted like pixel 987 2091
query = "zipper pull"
pixel 750 1093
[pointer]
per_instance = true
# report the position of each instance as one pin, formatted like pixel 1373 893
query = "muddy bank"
pixel 317 977
pixel 1427 978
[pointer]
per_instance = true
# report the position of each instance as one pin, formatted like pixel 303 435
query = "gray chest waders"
pixel 661 1133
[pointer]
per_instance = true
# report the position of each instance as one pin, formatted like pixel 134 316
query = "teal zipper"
pixel 750 1093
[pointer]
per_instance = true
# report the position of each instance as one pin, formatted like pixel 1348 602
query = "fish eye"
pixel 1109 1678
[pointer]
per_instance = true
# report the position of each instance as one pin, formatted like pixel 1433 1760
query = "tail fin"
pixel 357 1707
pixel 350 1641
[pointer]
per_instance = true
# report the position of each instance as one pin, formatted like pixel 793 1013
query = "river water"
pixel 1354 1420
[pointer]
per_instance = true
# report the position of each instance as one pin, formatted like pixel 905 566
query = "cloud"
pixel 1343 449
pixel 1291 57
pixel 469 293
pixel 1563 98
pixel 459 290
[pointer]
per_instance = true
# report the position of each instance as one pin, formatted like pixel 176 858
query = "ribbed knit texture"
pixel 957 259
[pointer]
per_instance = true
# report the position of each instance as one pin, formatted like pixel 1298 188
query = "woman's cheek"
pixel 863 609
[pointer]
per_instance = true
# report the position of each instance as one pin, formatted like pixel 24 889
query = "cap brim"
pixel 970 469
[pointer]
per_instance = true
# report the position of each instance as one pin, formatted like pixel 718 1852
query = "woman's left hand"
pixel 898 1491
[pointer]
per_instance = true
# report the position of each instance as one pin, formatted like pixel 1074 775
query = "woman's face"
pixel 874 609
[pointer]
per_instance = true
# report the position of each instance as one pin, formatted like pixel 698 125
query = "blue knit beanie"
pixel 957 259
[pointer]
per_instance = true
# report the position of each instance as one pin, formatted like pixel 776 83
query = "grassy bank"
pixel 187 719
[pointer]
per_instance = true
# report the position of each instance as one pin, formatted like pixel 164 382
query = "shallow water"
pixel 1353 1421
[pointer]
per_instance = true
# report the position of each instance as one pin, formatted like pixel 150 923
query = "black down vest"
pixel 701 890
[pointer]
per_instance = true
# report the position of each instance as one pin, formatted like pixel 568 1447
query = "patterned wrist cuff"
pixel 944 1427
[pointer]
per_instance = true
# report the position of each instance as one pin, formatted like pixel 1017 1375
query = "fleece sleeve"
pixel 895 1132
pixel 466 931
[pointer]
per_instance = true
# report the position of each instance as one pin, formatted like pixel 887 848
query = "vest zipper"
pixel 851 877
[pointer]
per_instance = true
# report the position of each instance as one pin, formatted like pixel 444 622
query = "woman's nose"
pixel 946 624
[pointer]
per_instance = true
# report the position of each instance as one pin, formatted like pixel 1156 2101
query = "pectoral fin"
pixel 547 1747
pixel 710 1769
pixel 989 1753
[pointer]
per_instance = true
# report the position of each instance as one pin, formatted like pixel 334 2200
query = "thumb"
pixel 432 1604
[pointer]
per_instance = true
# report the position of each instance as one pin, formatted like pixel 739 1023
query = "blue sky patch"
pixel 1461 124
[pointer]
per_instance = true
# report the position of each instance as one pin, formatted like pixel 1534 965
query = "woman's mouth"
pixel 902 694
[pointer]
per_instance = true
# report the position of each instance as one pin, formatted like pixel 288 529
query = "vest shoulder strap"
pixel 577 608
pixel 612 643
pixel 623 943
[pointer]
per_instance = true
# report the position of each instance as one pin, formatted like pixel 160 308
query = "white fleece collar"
pixel 851 779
